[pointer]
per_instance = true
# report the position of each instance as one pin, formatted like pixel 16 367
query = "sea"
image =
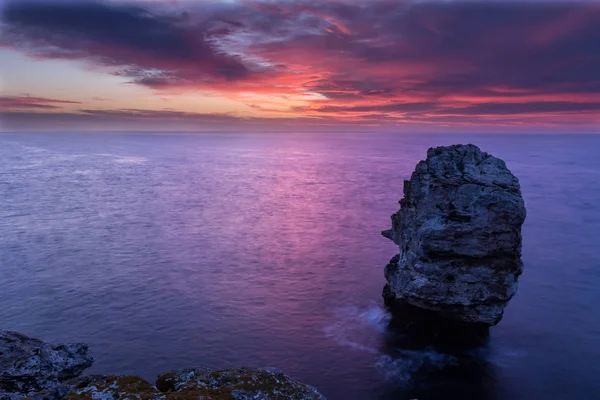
pixel 170 250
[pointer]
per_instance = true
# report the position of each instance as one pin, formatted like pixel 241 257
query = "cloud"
pixel 26 102
pixel 153 120
pixel 150 115
pixel 403 59
pixel 525 108
pixel 150 45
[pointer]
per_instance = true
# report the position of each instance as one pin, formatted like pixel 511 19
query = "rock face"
pixel 237 383
pixel 459 234
pixel 29 365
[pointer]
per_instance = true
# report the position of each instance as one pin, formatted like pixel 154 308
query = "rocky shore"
pixel 458 232
pixel 33 369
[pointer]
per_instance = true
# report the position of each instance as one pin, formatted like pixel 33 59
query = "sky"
pixel 302 65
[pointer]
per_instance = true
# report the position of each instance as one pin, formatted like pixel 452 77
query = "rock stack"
pixel 459 236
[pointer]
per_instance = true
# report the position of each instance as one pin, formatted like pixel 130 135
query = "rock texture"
pixel 459 234
pixel 29 365
pixel 237 383
pixel 64 388
pixel 186 384
pixel 196 384
pixel 32 369
pixel 117 387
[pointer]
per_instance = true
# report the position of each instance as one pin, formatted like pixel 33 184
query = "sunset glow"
pixel 298 64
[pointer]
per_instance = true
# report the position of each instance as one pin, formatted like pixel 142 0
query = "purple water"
pixel 168 251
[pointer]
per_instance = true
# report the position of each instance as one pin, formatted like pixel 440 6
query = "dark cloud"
pixel 525 108
pixel 488 109
pixel 162 115
pixel 116 34
pixel 382 108
pixel 468 45
pixel 149 120
pixel 110 24
pixel 26 102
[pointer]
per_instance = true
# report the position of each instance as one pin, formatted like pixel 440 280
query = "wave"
pixel 365 329
pixel 354 327
pixel 124 159
pixel 130 160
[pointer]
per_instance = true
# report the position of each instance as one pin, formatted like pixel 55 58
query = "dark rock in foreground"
pixel 236 383
pixel 459 235
pixel 116 387
pixel 32 369
pixel 64 388
pixel 199 383
pixel 29 365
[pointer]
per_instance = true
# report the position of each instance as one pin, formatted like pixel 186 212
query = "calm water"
pixel 168 251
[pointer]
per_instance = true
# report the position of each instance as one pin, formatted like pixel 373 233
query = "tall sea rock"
pixel 459 236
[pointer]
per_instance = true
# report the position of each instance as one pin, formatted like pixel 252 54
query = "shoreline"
pixel 35 370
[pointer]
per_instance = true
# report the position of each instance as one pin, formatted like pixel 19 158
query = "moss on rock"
pixel 115 387
pixel 199 384
pixel 235 383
